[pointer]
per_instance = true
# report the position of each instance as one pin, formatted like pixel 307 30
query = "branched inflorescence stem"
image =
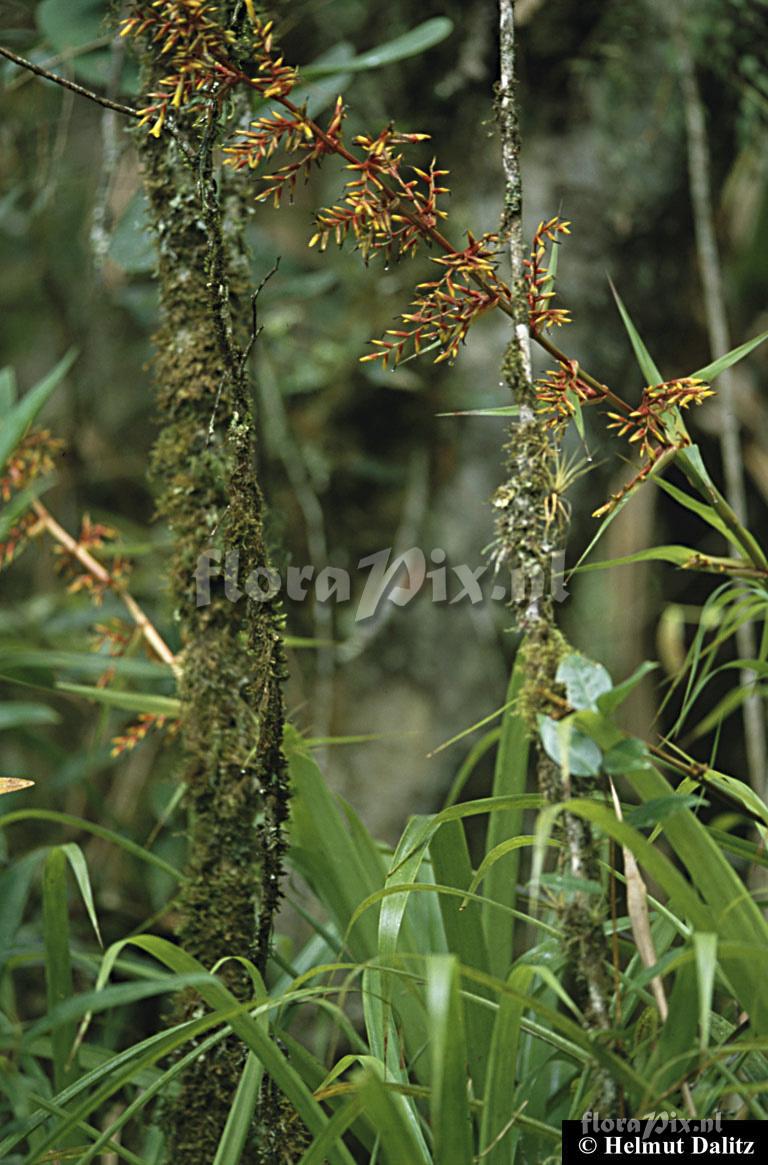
pixel 101 575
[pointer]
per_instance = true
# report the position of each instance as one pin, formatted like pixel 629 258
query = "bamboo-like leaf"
pixel 240 1115
pixel 689 459
pixel 676 555
pixel 58 966
pixel 125 701
pixel 15 884
pixel 511 845
pixel 7 390
pixel 705 946
pixel 642 355
pixel 467 767
pixel 80 823
pixel 465 935
pixel 611 516
pixel 449 1107
pixel 724 708
pixel 475 808
pixel 74 856
pixel 20 503
pixel 711 371
pixel 468 731
pixel 608 702
pixel 84 663
pixel 246 1027
pixel 676 1051
pixel 14 424
pixel 704 511
pixel 383 1105
pixel 129 1066
pixel 497 1137
pixel 344 1116
pixel 325 853
pixel 510 777
pixel 733 914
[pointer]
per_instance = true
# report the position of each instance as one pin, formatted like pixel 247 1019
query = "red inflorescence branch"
pixel 33 458
pixel 201 56
pixel 646 425
pixel 293 134
pixel 138 731
pixel 539 280
pixel 447 307
pixel 385 207
pixel 93 536
pixel 562 392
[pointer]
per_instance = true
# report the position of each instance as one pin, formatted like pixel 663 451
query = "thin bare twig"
pixel 57 79
pixel 102 575
pixel 710 269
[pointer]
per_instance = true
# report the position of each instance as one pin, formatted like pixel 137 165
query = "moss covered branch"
pixel 527 533
pixel 232 657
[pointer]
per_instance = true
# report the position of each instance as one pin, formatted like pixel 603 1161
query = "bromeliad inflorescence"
pixel 388 206
pixel 539 279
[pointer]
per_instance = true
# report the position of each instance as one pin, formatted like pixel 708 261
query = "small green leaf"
pixel 584 681
pixel 569 748
pixel 660 808
pixel 20 715
pixel 573 400
pixel 131 246
pixel 609 701
pixel 567 883
pixel 625 757
pixel 410 44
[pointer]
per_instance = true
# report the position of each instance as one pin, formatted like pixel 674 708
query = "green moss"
pixel 232 652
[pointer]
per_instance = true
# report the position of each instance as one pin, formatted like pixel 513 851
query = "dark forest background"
pixel 353 459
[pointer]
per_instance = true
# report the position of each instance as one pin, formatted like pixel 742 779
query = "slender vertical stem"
pixel 524 543
pixel 710 269
pixel 512 217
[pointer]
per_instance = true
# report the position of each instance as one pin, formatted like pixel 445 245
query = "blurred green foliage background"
pixel 353 459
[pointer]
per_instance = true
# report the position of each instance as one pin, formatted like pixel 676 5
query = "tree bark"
pixel 231 656
pixel 525 540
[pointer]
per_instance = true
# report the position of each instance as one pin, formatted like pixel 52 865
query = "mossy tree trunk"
pixel 528 532
pixel 232 649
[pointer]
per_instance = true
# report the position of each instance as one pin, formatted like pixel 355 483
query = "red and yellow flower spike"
pixel 539 290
